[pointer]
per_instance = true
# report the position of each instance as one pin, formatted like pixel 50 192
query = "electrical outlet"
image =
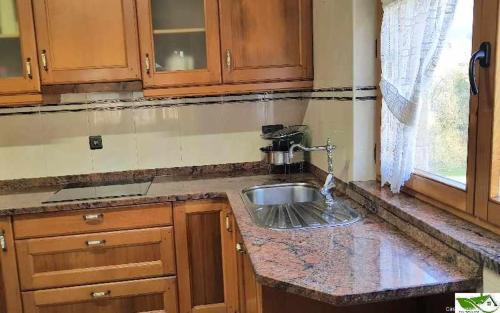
pixel 95 142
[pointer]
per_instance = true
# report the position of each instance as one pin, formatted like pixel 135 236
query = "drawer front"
pixel 89 221
pixel 95 258
pixel 158 295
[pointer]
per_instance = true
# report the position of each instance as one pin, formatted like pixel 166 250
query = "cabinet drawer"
pixel 95 258
pixel 89 221
pixel 158 295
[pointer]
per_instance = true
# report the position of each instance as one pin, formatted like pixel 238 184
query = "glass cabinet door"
pixel 10 41
pixel 179 35
pixel 179 41
pixel 18 63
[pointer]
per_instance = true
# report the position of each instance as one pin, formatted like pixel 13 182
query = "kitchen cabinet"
pixel 10 296
pixel 148 295
pixel 179 42
pixel 205 257
pixel 18 58
pixel 94 258
pixel 83 41
pixel 250 292
pixel 266 40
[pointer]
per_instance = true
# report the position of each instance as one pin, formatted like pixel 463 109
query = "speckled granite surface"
pixel 473 241
pixel 368 261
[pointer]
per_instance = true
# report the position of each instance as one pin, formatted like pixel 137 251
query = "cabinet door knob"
pixel 229 227
pixel 147 64
pixel 3 242
pixel 28 68
pixel 44 60
pixel 229 60
pixel 240 249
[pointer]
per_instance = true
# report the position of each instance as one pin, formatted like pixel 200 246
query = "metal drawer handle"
pixel 100 294
pixel 93 217
pixel 3 242
pixel 95 243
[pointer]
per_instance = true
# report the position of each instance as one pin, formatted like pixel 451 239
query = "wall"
pixel 344 37
pixel 53 140
pixel 491 281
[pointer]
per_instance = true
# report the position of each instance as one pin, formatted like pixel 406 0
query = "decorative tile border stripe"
pixel 365 93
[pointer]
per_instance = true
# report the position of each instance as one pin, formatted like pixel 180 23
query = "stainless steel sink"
pixel 292 206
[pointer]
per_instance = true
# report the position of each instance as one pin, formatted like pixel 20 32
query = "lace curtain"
pixel 413 32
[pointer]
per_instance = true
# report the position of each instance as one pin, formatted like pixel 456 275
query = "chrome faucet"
pixel 329 182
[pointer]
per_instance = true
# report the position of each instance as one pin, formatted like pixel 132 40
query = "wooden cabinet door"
pixel 156 295
pixel 94 258
pixel 205 257
pixel 266 40
pixel 82 41
pixel 250 292
pixel 179 42
pixel 10 296
pixel 18 58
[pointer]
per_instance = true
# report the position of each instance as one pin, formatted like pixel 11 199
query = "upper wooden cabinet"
pixel 18 57
pixel 83 41
pixel 10 296
pixel 179 42
pixel 266 40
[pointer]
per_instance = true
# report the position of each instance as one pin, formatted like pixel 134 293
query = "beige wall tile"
pixel 119 140
pixel 66 143
pixel 21 147
pixel 218 134
pixel 491 281
pixel 158 144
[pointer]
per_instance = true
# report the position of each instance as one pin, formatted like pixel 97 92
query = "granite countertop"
pixel 368 261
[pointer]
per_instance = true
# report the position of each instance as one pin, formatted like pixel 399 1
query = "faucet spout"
pixel 330 181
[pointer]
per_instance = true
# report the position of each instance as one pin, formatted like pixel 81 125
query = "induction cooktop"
pixel 99 192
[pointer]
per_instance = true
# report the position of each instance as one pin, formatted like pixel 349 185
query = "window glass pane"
pixel 179 35
pixel 10 43
pixel 443 129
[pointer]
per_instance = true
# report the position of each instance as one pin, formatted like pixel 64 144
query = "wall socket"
pixel 95 142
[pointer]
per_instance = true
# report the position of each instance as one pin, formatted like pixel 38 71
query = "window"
pixel 457 159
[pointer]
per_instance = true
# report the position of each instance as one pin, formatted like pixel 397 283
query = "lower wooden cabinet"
pixel 156 295
pixel 93 258
pixel 250 292
pixel 206 264
pixel 10 296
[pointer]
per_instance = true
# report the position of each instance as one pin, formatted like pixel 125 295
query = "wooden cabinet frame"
pixel 29 249
pixel 129 71
pixel 25 84
pixel 52 297
pixel 9 275
pixel 208 76
pixel 181 211
pixel 235 73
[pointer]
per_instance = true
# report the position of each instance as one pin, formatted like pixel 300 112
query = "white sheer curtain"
pixel 413 32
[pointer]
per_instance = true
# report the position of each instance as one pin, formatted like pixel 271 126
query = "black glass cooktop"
pixel 99 192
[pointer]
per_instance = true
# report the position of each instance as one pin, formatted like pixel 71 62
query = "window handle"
pixel 483 55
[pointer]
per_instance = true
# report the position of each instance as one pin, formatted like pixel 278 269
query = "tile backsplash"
pixel 44 141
